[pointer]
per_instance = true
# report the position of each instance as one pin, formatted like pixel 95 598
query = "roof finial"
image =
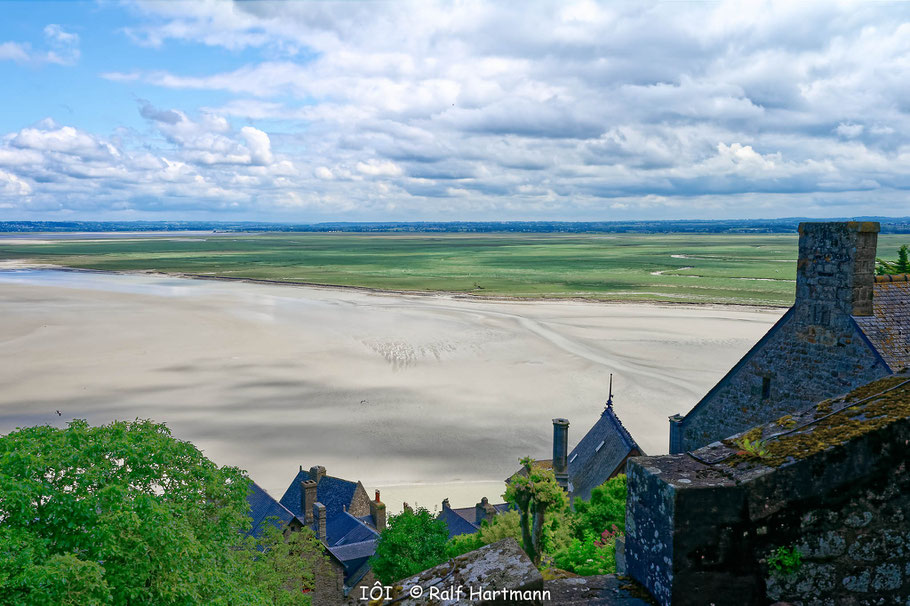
pixel 610 397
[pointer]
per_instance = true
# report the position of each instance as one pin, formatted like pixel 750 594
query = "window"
pixel 765 388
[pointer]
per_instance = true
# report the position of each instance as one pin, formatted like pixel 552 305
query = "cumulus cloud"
pixel 581 109
pixel 259 145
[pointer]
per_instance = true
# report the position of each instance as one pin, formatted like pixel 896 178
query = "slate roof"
pixel 263 506
pixel 456 523
pixel 336 494
pixel 345 529
pixel 599 454
pixel 460 520
pixel 888 328
pixel 355 559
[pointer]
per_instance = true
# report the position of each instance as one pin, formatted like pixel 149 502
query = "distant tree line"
pixel 730 226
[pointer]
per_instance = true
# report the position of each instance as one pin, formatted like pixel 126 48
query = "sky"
pixel 443 111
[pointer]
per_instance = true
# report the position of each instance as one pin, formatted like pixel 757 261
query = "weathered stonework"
pixel 815 351
pixel 830 482
pixel 500 566
pixel 360 503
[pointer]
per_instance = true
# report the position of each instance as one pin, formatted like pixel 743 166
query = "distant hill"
pixel 786 225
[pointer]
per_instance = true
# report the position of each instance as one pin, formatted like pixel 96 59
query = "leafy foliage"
pixel 533 493
pixel 412 542
pixel 285 566
pixel 502 526
pixel 752 448
pixel 901 266
pixel 785 560
pixel 606 509
pixel 125 514
pixel 590 555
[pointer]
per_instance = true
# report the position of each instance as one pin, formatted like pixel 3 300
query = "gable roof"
pixel 888 328
pixel 460 520
pixel 262 507
pixel 457 524
pixel 335 493
pixel 345 529
pixel 599 454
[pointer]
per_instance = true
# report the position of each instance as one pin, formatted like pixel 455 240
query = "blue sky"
pixel 317 111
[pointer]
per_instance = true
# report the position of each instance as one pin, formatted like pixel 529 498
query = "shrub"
pixel 590 555
pixel 605 509
pixel 412 542
pixel 785 561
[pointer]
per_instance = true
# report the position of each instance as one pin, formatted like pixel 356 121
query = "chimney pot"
pixel 319 516
pixel 377 512
pixel 317 472
pixel 561 451
pixel 308 490
pixel 835 270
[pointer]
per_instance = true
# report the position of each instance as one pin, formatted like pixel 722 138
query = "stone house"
pixel 847 327
pixel 334 509
pixel 467 520
pixel 722 524
pixel 600 455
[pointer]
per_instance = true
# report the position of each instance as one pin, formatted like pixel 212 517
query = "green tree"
pixel 285 564
pixel 901 266
pixel 412 542
pixel 124 514
pixel 605 508
pixel 502 526
pixel 903 262
pixel 533 492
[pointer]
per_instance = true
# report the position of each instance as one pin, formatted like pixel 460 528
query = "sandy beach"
pixel 421 396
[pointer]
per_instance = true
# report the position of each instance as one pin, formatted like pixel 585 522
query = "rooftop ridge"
pixel 892 278
pixel 621 429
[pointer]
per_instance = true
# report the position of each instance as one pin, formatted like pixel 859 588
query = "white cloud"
pixel 452 110
pixel 378 168
pixel 259 145
pixel 63 49
pixel 11 185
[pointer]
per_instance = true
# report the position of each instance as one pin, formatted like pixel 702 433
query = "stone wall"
pixel 830 484
pixel 815 351
pixel 360 503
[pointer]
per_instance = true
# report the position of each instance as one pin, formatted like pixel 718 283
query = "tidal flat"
pixel 422 396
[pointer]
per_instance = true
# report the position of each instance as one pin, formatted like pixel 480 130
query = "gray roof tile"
pixel 888 328
pixel 598 455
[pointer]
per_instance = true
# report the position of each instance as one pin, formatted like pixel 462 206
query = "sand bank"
pixel 421 396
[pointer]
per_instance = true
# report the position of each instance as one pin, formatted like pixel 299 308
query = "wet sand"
pixel 421 396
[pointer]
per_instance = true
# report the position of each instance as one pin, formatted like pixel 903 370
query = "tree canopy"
pixel 126 514
pixel 412 542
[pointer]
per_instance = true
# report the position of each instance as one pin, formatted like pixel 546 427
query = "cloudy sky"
pixel 316 111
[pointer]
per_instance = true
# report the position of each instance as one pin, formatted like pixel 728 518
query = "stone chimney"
pixel 560 451
pixel 835 270
pixel 377 512
pixel 317 473
pixel 307 500
pixel 483 511
pixel 445 503
pixel 319 518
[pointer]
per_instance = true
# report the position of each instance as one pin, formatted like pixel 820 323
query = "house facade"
pixel 847 327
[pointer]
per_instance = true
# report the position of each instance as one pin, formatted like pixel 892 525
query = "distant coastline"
pixel 786 225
